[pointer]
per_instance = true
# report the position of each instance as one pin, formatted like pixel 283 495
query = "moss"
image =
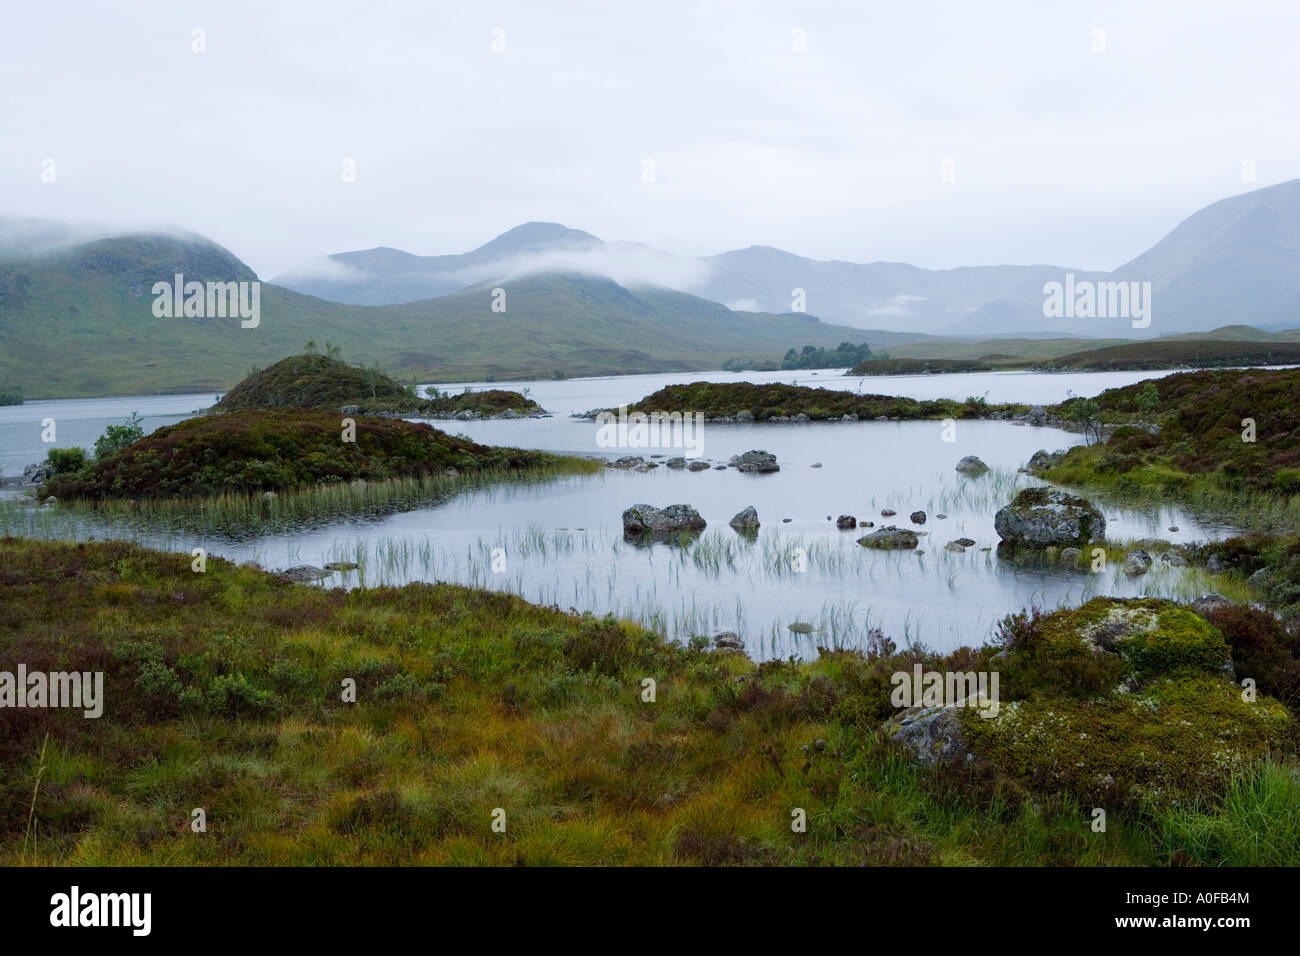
pixel 1183 738
pixel 1180 642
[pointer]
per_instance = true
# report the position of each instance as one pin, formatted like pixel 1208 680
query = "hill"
pixel 1195 353
pixel 258 451
pixel 80 322
pixel 1202 443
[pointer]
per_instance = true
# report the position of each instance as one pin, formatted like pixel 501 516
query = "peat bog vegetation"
pixel 225 694
pixel 229 689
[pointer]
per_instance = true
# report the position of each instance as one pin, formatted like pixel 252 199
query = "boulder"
pixel 890 538
pixel 745 415
pixel 1041 460
pixel 304 573
pixel 933 735
pixel 970 465
pixel 728 641
pixel 887 512
pixel 1041 517
pixel 1137 563
pixel 1037 415
pixel 37 473
pixel 676 462
pixel 917 517
pixel 626 463
pixel 746 520
pixel 647 519
pixel 760 462
pixel 1206 603
pixel 695 465
pixel 846 522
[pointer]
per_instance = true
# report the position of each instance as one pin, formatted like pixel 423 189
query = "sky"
pixel 939 134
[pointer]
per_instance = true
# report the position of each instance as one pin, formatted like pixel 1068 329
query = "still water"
pixel 561 543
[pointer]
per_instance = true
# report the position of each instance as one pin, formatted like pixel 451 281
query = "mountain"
pixel 1233 262
pixel 385 276
pixel 80 322
pixel 1237 260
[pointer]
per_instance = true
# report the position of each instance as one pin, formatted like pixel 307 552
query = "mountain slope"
pixel 81 323
pixel 1233 262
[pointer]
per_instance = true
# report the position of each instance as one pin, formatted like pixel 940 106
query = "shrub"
pixel 66 461
pixel 117 437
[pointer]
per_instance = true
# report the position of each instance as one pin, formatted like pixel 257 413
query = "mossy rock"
pixel 1180 739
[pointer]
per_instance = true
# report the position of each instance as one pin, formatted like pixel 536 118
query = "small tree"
pixel 1149 400
pixel 117 437
pixel 1087 413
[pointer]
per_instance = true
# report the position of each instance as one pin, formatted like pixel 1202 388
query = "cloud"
pixel 744 305
pixel 322 269
pixel 897 306
pixel 628 264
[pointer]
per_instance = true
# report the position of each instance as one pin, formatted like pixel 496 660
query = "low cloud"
pixel 897 306
pixel 322 269
pixel 628 264
pixel 743 305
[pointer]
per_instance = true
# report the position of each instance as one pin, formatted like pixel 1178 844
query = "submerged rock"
pixel 676 463
pixel 970 465
pixel 695 465
pixel 746 520
pixel 890 538
pixel 887 512
pixel 1040 517
pixel 647 519
pixel 846 522
pixel 626 463
pixel 917 517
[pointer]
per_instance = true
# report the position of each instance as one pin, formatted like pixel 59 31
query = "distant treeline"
pixel 844 355
pixel 888 366
pixel 10 396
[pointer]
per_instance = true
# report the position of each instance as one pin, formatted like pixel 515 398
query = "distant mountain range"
pixel 77 319
pixel 1235 261
pixel 76 315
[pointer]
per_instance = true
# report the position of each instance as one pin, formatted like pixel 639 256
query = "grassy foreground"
pixel 223 692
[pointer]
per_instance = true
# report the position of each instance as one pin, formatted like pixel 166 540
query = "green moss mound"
pixel 717 400
pixel 312 381
pixel 249 450
pixel 320 381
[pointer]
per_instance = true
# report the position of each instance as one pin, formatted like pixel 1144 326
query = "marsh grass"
pixel 471 700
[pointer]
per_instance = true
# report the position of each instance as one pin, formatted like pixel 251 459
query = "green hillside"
pixel 81 323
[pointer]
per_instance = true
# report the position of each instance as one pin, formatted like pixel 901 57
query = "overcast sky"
pixel 1058 153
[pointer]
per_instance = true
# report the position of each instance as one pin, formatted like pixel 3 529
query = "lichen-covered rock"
pixel 1137 563
pixel 647 519
pixel 933 735
pixel 890 538
pixel 1040 517
pixel 1041 460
